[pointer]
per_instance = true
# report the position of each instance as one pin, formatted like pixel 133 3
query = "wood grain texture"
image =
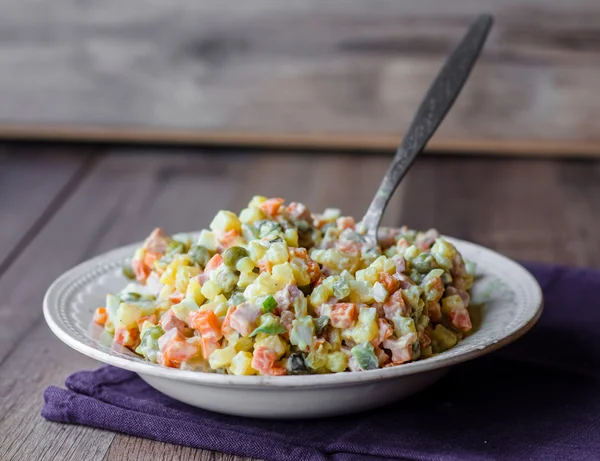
pixel 530 210
pixel 343 73
pixel 33 182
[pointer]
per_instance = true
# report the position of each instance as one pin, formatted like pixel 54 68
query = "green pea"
pixel 227 279
pixel 200 255
pixel 232 255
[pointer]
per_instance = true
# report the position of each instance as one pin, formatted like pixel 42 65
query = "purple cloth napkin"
pixel 538 398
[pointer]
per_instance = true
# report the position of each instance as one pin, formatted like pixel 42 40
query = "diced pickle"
pixel 365 357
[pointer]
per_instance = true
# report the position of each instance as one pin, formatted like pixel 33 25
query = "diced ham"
pixel 169 322
pixel 400 263
pixel 405 281
pixel 401 349
pixel 343 315
pixel 243 319
pixel 450 291
pixel 424 339
pixel 385 331
pixel 299 211
pixel 286 297
pixel 379 308
pixel 157 241
pixel 382 357
pixel 393 305
pixel 460 319
pixel 347 247
pixel 345 222
pixel 287 317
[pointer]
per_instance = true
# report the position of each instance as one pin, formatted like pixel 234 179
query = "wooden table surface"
pixel 327 73
pixel 60 205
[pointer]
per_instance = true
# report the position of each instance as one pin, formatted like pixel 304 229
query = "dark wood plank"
pixel 338 73
pixel 34 180
pixel 545 210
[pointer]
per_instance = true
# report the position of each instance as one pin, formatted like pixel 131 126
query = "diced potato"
pixel 320 295
pixel 241 364
pixel 221 357
pixel 300 274
pixel 303 330
pixel 183 309
pixel 251 215
pixel 169 275
pixel 284 272
pixel 273 342
pixel 183 276
pixel 442 339
pixel 277 253
pixel 208 240
pixel 244 344
pixel 257 201
pixel 366 329
pixel 165 292
pixel 361 292
pixel 224 221
pixel 246 278
pixel 337 362
pixel 128 315
pixel 194 290
pixel 245 265
pixel 379 292
pixel 257 250
pixel 211 290
pixel 403 325
pixel 451 302
pixel 443 252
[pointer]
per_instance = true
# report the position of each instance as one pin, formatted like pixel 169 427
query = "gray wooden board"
pixel 32 182
pixel 532 210
pixel 335 72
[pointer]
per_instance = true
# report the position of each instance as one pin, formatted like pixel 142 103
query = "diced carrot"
pixel 434 311
pixel 343 315
pixel 424 339
pixel 213 263
pixel 207 323
pixel 127 338
pixel 389 282
pixel 141 270
pixel 319 281
pixel 165 362
pixel 100 316
pixel 263 360
pixel 271 206
pixel 347 247
pixel 149 318
pixel 150 257
pixel 459 318
pixel 179 349
pixel 385 331
pixel 229 238
pixel 314 271
pixel 277 370
pixel 208 347
pixel 176 297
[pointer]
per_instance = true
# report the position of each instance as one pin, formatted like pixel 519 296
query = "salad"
pixel 277 290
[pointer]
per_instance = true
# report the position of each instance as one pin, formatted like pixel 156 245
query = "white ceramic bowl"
pixel 512 302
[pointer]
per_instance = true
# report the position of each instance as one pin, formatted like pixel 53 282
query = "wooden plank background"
pixel 307 73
